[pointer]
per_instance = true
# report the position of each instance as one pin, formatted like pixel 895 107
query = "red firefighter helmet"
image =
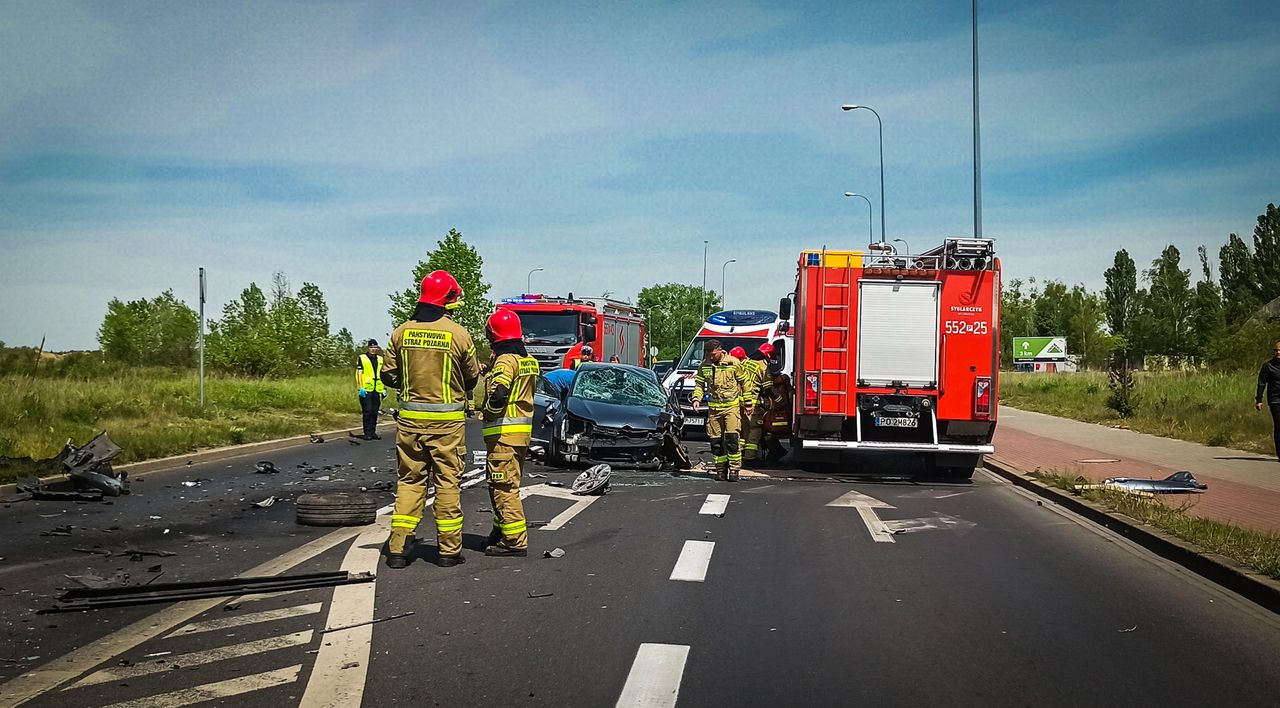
pixel 503 325
pixel 738 353
pixel 766 350
pixel 441 289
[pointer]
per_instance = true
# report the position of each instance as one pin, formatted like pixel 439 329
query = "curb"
pixel 140 469
pixel 1212 567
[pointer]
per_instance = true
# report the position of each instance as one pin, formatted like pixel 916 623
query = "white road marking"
pixel 211 691
pixel 866 507
pixel 387 509
pixel 654 681
pixel 715 504
pixel 879 532
pixel 251 618
pixel 67 667
pixel 542 490
pixel 330 684
pixel 198 658
pixel 930 523
pixel 693 561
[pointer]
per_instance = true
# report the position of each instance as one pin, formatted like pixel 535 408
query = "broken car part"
pixel 89 467
pixel 267 467
pixel 97 598
pixel 594 480
pixel 1177 483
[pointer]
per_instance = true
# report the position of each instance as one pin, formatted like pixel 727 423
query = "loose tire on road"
pixel 336 509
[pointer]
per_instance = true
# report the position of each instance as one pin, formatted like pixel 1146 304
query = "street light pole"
pixel 202 298
pixel 854 107
pixel 528 282
pixel 870 235
pixel 723 299
pixel 905 245
pixel 977 139
pixel 703 311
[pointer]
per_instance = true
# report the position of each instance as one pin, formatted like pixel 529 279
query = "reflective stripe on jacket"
pixel 369 374
pixel 512 423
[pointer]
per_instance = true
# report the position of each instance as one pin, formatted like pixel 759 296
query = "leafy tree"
pixel 1017 315
pixel 288 335
pixel 1168 305
pixel 1207 322
pixel 672 311
pixel 1240 292
pixel 1084 313
pixel 1051 311
pixel 1266 254
pixel 1121 292
pixel 159 331
pixel 465 264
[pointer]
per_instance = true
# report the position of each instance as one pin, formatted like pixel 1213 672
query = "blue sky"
pixel 604 142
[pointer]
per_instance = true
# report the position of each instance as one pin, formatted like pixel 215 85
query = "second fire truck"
pixel 897 353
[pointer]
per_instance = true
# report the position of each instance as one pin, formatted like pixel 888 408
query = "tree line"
pixel 1223 322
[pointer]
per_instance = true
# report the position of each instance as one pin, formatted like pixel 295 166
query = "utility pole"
pixel 201 339
pixel 977 141
pixel 703 312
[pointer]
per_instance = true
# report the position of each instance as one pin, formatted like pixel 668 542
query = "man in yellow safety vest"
pixel 369 381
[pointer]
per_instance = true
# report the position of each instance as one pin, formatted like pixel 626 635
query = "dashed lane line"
pixel 715 504
pixel 694 559
pixel 654 681
pixel 212 691
pixel 251 618
pixel 198 658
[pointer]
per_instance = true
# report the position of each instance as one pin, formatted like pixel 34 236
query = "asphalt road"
pixel 974 594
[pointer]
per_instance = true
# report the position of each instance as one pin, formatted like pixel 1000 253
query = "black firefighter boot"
pixel 450 561
pixel 504 551
pixel 401 559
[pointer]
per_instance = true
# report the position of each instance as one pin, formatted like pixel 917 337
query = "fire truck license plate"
pixel 894 422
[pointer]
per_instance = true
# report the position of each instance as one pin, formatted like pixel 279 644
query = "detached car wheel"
pixel 336 509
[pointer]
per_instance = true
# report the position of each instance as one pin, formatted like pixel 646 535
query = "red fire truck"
pixel 897 353
pixel 553 326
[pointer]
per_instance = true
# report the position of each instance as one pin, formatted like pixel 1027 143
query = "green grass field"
pixel 1207 408
pixel 154 413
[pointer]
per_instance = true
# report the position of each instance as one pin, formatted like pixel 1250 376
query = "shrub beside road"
pixel 155 412
pixel 1202 407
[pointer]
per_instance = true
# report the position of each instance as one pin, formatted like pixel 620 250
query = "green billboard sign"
pixel 1039 348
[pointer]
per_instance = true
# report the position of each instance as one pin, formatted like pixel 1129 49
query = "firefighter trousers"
pixel 724 428
pixel 435 458
pixel 752 433
pixel 504 463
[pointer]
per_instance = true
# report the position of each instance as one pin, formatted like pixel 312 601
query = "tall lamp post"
pixel 977 133
pixel 528 282
pixel 870 235
pixel 854 107
pixel 723 299
pixel 703 311
pixel 905 245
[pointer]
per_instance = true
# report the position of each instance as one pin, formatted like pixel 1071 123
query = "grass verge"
pixel 1254 549
pixel 1201 407
pixel 154 413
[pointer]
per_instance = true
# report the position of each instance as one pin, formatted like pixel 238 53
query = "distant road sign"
pixel 1039 348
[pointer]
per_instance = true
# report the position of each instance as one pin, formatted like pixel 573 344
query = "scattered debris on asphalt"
pixel 59 531
pixel 265 502
pixel 553 553
pixel 1177 483
pixel 1134 628
pixel 535 475
pixel 472 482
pixel 352 441
pixel 317 438
pixel 361 624
pixel 267 467
pixel 38 492
pixel 554 483
pixel 385 485
pixel 535 595
pixel 195 482
pixel 89 467
pixel 90 580
pixel 593 481
pixel 98 598
pixel 350 665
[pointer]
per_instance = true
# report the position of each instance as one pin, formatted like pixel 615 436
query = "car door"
pixel 545 399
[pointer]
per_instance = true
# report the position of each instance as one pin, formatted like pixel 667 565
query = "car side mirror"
pixel 589 333
pixel 784 308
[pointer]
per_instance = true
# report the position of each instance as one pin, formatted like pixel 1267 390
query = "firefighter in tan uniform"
pixel 722 381
pixel 755 376
pixel 432 361
pixel 508 423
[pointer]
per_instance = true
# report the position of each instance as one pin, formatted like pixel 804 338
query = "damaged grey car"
pixel 611 413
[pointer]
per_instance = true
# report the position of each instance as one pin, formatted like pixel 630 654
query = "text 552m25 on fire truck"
pixel 897 353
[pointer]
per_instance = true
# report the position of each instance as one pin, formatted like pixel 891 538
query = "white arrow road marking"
pixel 693 562
pixel 198 658
pixel 210 691
pixel 715 504
pixel 654 681
pixel 866 507
pixel 930 523
pixel 565 516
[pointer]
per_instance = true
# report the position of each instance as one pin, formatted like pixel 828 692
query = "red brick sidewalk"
pixel 1227 501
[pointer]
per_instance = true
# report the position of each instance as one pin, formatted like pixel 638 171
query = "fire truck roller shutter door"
pixel 898 333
